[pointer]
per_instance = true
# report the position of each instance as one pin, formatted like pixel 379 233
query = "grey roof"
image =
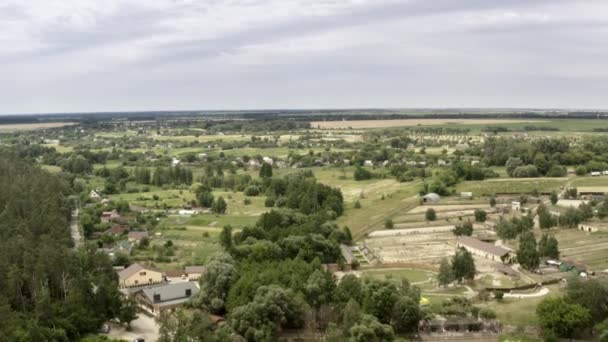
pixel 171 293
pixel 195 269
pixel 482 246
pixel 431 196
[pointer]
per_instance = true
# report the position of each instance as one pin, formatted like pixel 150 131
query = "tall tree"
pixel 527 255
pixel 463 265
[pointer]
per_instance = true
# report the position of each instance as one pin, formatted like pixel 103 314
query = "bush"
pixel 246 201
pixel 252 190
pixel 357 205
pixel 580 170
pixel 269 202
pixel 430 215
pixel 388 223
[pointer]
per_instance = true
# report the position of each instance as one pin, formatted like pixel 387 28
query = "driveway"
pixel 143 326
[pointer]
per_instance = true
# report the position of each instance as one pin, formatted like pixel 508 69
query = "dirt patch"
pixel 359 124
pixel 33 126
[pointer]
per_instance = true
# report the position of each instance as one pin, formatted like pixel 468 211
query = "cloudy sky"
pixel 113 55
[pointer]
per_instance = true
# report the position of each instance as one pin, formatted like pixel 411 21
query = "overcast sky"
pixel 114 55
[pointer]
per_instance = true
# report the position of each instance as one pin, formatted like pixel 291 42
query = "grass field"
pixel 413 276
pixel 590 249
pixel 520 312
pixel 362 124
pixel 590 181
pixel 511 185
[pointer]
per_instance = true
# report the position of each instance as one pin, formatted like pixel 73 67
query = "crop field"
pixel 511 185
pixel 6 128
pixel 362 124
pixel 590 249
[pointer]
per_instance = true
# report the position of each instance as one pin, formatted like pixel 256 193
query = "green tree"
pixel 370 330
pixel 492 201
pixel 128 311
pixel 527 255
pixel 554 198
pixel 214 286
pixel 406 315
pixel 351 315
pixel 463 265
pixel 219 205
pixel 480 215
pixel 561 318
pixel 445 275
pixel 465 228
pixel 591 294
pixel 204 196
pixel 548 247
pixel 272 308
pixel 511 164
pixel 266 170
pixel 430 215
pixel 226 237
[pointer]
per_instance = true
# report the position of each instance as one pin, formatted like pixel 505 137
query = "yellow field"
pixel 359 124
pixel 32 126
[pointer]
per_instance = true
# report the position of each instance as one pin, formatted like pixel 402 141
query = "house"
pixel 431 198
pixel 483 249
pixel 368 163
pixel 106 201
pixel 595 174
pixel 515 206
pixel 474 162
pixel 138 275
pixel 175 162
pixel 441 162
pixel 267 160
pixel 605 172
pixel 116 230
pixel 108 216
pixel 94 195
pixel 156 299
pixel 137 236
pixel 194 272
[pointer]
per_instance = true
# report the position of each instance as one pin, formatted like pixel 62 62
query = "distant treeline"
pixel 499 129
pixel 300 115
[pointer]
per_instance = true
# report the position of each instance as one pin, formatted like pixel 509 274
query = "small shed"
pixel 431 198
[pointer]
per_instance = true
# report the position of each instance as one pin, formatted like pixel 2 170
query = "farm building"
pixel 94 195
pixel 156 299
pixel 483 249
pixel 108 216
pixel 588 228
pixel 515 206
pixel 138 275
pixel 116 230
pixel 137 236
pixel 466 194
pixel 194 272
pixel 431 198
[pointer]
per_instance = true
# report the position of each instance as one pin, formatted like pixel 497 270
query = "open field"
pixel 5 128
pixel 511 185
pixel 361 124
pixel 413 276
pixel 590 249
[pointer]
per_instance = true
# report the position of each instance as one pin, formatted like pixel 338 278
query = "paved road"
pixel 75 229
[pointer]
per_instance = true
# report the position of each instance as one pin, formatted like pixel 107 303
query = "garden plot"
pixel 588 249
pixel 426 245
